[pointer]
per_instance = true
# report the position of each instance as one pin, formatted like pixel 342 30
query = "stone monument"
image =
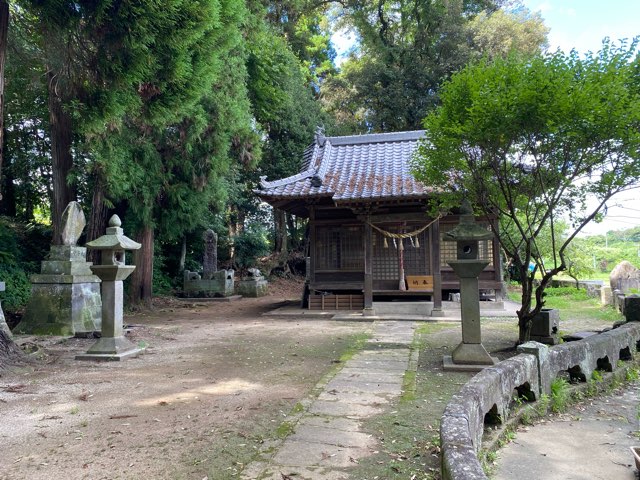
pixel 253 284
pixel 112 345
pixel 65 296
pixel 210 260
pixel 3 323
pixel 470 354
pixel 212 282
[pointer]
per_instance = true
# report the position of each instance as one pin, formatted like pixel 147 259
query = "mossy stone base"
pixel 62 309
pixel 252 288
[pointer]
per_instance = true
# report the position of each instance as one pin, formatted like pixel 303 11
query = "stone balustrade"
pixel 490 394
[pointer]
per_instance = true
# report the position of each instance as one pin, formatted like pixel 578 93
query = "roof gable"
pixel 353 168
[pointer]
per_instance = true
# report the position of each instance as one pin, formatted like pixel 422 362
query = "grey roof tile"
pixel 354 168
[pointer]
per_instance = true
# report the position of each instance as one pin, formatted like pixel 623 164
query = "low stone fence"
pixel 490 395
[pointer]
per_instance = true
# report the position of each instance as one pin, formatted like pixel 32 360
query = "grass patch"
pixel 573 303
pixel 408 434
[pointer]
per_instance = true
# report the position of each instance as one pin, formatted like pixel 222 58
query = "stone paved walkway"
pixel 326 437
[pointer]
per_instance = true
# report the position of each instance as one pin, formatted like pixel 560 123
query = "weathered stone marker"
pixel 65 296
pixel 3 323
pixel 253 285
pixel 470 354
pixel 112 271
pixel 210 260
pixel 212 282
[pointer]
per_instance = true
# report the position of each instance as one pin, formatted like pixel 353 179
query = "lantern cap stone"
pixel 114 239
pixel 467 229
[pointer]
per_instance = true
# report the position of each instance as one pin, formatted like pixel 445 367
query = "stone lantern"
pixel 470 354
pixel 112 270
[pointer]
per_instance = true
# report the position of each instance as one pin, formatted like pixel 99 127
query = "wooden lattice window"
pixel 339 248
pixel 448 249
pixel 385 260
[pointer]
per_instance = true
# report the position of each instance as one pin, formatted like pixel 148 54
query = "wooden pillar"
pixel 368 268
pixel 437 276
pixel 311 274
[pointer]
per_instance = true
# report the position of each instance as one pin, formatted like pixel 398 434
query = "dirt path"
pixel 215 381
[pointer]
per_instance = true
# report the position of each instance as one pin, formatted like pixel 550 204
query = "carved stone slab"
pixel 73 222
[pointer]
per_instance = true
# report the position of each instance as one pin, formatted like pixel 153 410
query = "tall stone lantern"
pixel 470 354
pixel 112 270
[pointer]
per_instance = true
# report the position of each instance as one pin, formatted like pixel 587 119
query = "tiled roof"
pixel 353 168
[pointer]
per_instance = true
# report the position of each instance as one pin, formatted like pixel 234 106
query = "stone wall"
pixel 490 393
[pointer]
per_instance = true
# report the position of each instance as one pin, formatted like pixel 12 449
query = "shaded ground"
pixel 217 384
pixel 590 441
pixel 215 381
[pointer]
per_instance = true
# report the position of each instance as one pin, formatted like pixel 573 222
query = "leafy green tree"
pixel 579 262
pixel 407 49
pixel 529 141
pixel 500 32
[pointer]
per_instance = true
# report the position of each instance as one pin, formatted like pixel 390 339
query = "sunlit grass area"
pixel 573 303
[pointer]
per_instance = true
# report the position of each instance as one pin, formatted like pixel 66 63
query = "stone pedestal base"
pixel 62 308
pixel 65 296
pixel 437 312
pixel 368 312
pixel 252 288
pixel 110 349
pixel 221 283
pixel 546 339
pixel 472 353
pixel 449 365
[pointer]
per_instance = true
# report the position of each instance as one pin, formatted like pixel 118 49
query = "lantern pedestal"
pixel 112 346
pixel 470 354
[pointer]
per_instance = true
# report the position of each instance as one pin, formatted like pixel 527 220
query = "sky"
pixel 583 24
pixel 579 24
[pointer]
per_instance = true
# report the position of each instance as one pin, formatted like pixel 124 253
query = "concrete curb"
pixel 531 373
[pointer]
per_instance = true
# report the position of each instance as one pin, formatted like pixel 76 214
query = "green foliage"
pixel 559 395
pixel 22 248
pixel 18 286
pixel 250 244
pixel 530 140
pixel 596 376
pixel 632 375
pixel 407 49
pixel 501 32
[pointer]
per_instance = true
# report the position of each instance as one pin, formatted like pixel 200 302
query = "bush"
pixel 18 286
pixel 249 245
pixel 22 248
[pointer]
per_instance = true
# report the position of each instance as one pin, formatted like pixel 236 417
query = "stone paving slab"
pixel 387 366
pixel 365 375
pixel 305 454
pixel 301 473
pixel 336 423
pixel 346 385
pixel 327 438
pixel 349 410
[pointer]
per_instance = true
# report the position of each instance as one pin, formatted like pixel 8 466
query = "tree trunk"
pixel 8 205
pixel 98 218
pixel 10 353
pixel 141 288
pixel 524 328
pixel 4 28
pixel 62 161
pixel 279 220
